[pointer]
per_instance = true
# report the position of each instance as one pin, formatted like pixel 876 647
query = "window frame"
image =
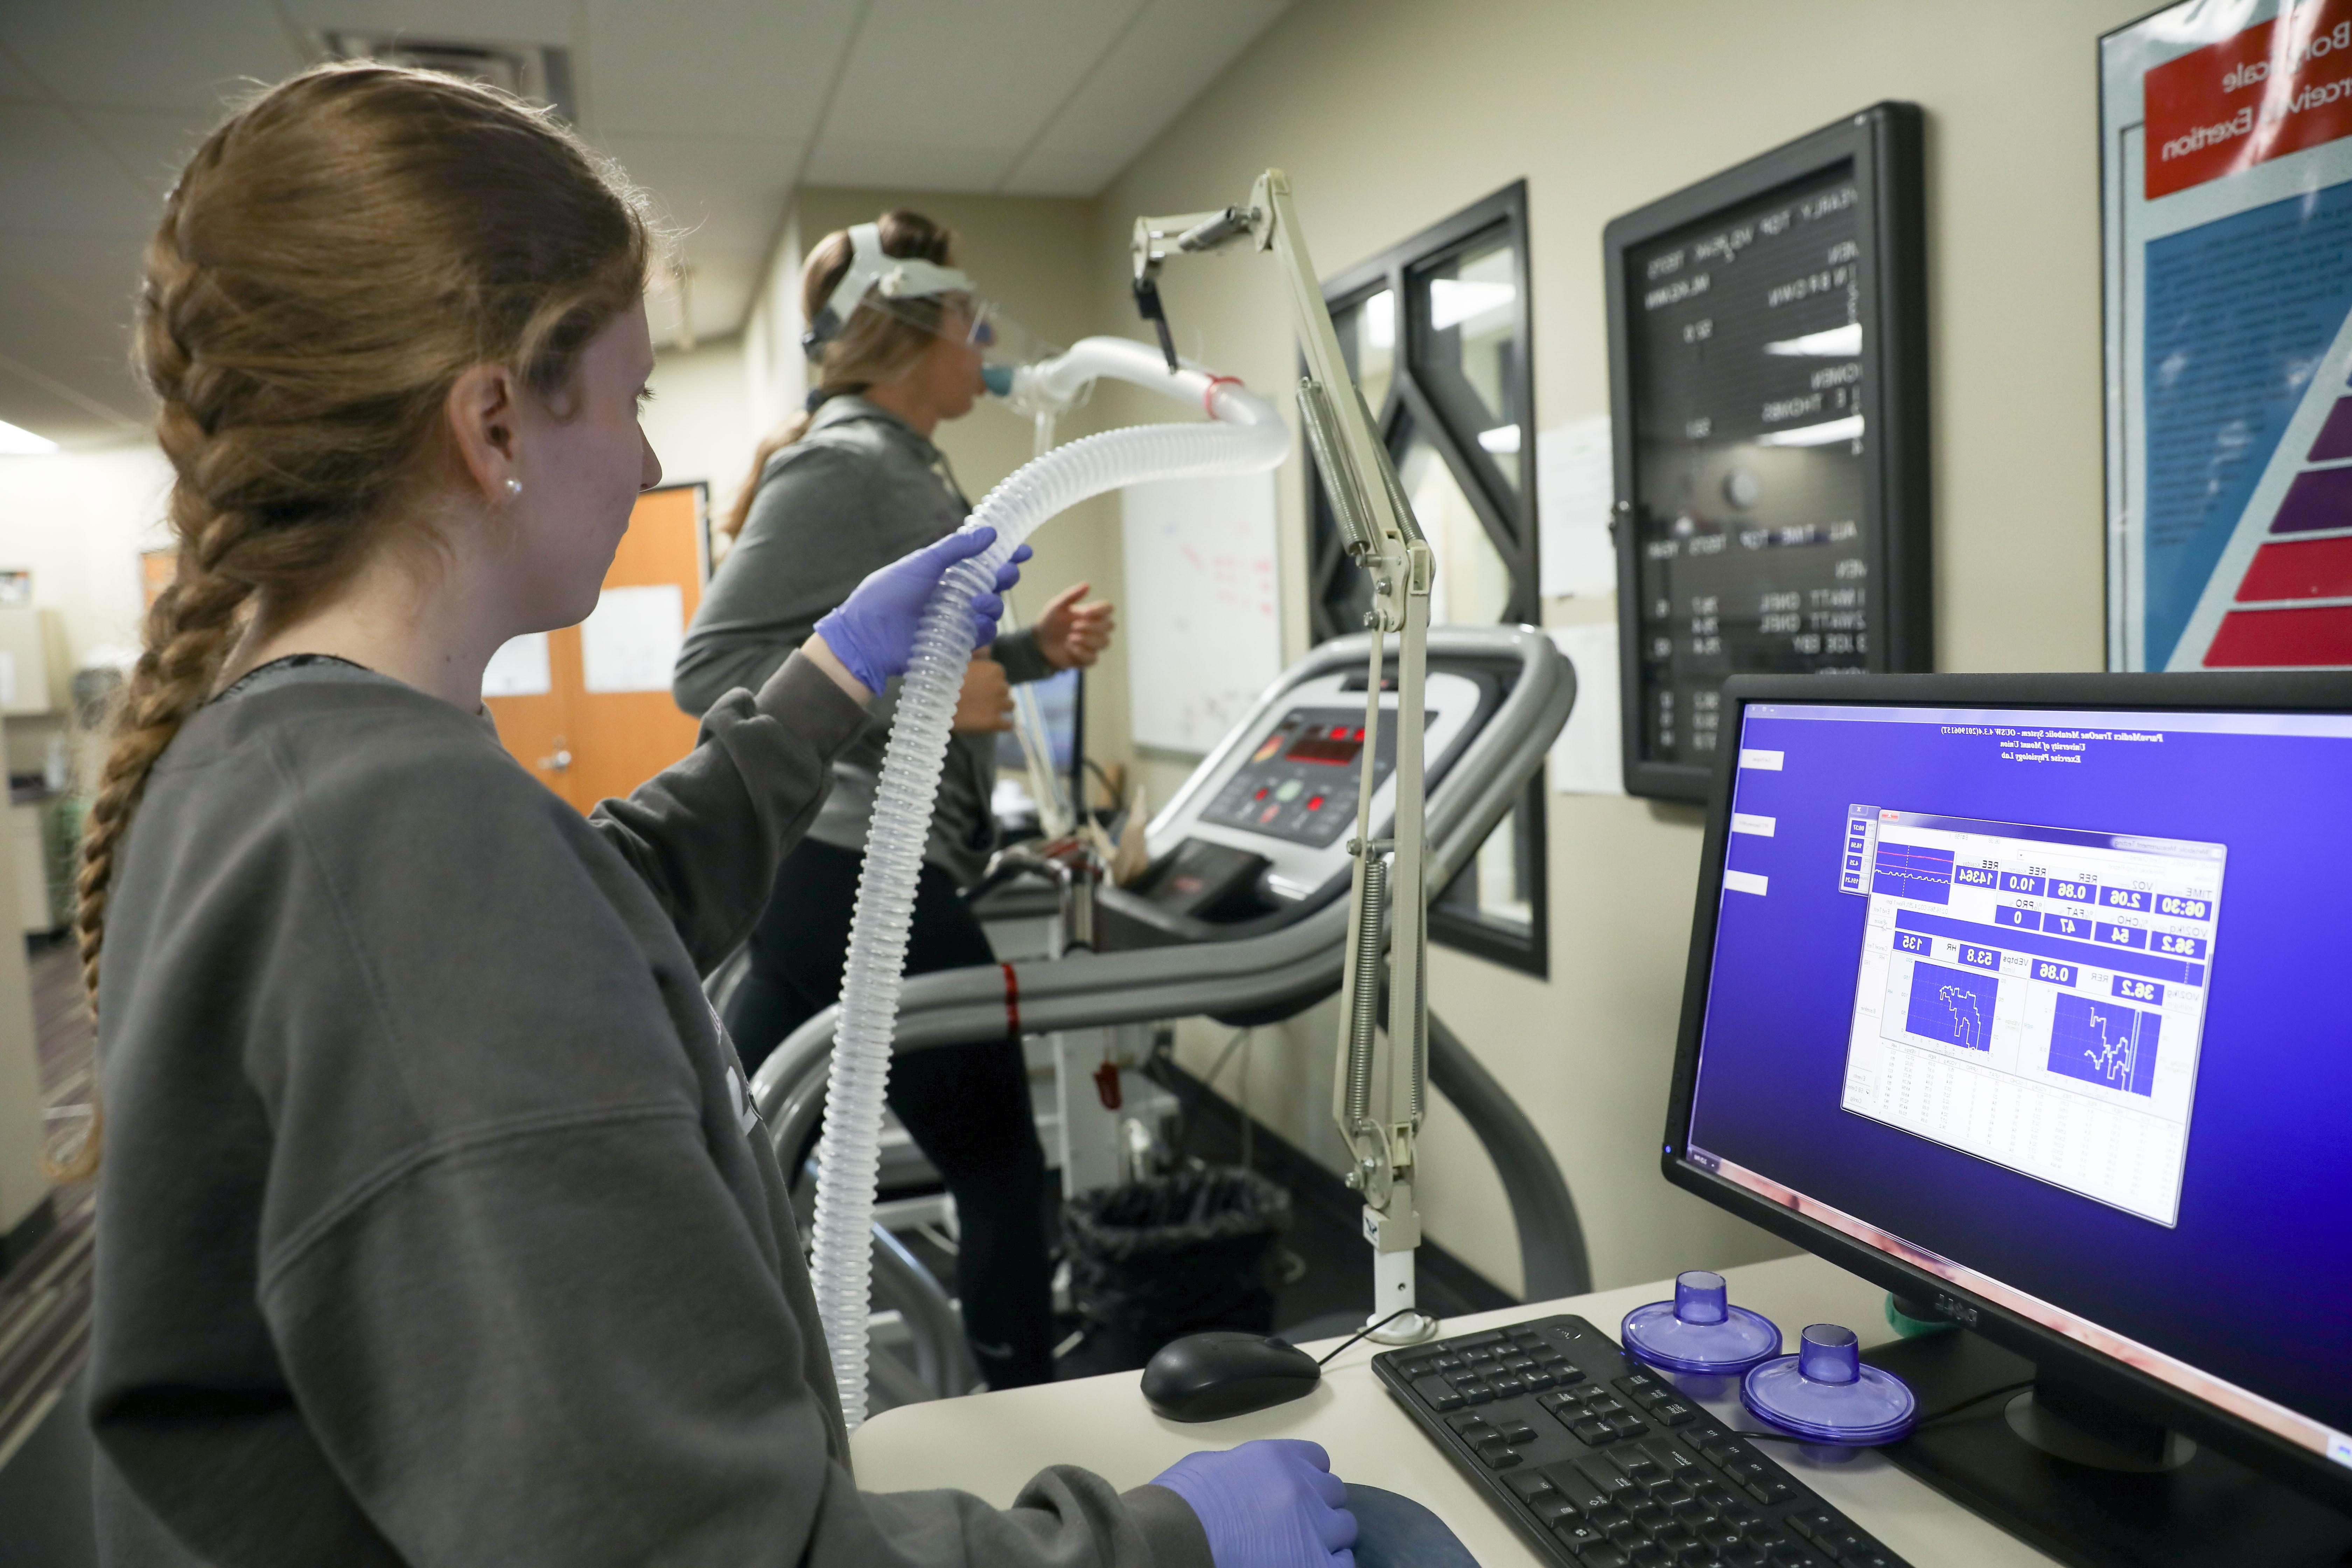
pixel 1505 511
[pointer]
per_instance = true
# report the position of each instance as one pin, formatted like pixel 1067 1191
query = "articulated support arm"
pixel 1378 1097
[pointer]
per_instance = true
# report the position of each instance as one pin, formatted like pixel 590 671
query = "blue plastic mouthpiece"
pixel 1828 1353
pixel 998 378
pixel 1825 1393
pixel 1701 1297
pixel 1699 1331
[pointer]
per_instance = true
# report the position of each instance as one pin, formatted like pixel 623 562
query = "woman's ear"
pixel 482 411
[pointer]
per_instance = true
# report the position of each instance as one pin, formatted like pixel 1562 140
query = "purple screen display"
pixel 2253 1282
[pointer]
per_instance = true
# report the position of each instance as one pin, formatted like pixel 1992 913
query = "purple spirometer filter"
pixel 1699 1331
pixel 1825 1393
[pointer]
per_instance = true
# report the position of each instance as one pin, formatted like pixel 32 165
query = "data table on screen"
pixel 2033 996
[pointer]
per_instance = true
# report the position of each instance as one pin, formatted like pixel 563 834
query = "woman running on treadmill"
pixel 435 1224
pixel 895 348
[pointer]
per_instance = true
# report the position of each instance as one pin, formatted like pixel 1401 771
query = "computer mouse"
pixel 1209 1376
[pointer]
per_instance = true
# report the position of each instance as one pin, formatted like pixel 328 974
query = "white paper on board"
pixel 1576 490
pixel 1589 758
pixel 518 668
pixel 1203 635
pixel 630 641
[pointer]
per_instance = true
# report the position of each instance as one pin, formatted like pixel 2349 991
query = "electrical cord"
pixel 1199 1096
pixel 1368 1329
pixel 1118 795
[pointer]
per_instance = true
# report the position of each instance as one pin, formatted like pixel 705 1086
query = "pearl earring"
pixel 514 488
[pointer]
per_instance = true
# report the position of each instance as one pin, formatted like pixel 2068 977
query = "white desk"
pixel 992 1443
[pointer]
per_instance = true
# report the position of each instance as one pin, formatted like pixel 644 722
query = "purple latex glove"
pixel 872 632
pixel 1273 1503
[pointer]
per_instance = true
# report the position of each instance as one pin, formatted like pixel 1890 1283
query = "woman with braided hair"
pixel 435 1223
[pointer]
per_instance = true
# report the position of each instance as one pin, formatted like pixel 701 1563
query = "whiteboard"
pixel 1203 639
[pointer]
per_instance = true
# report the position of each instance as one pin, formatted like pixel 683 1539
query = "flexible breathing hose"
pixel 1246 436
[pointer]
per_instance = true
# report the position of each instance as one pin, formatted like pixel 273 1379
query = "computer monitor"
pixel 1062 697
pixel 2031 999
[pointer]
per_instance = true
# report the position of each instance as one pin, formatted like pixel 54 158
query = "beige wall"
pixel 700 419
pixel 1391 114
pixel 79 520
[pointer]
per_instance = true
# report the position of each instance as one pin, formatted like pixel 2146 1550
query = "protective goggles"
pixel 941 300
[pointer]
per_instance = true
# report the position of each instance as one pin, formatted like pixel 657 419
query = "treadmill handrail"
pixel 951 1006
pixel 1088 990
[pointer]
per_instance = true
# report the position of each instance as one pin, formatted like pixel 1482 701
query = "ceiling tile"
pixel 95 278
pixel 76 361
pixel 55 178
pixel 148 54
pixel 970 85
pixel 17 85
pixel 30 406
pixel 719 68
pixel 727 195
pixel 728 192
pixel 1166 60
pixel 153 144
pixel 907 165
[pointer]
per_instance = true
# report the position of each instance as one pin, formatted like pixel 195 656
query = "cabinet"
pixel 33 664
pixel 588 709
pixel 29 865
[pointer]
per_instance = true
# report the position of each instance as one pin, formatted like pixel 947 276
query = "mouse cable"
pixel 1367 1328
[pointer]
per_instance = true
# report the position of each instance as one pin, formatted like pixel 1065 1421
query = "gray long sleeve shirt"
pixel 435 1225
pixel 857 492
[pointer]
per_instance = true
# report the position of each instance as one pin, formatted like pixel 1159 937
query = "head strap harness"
pixel 896 277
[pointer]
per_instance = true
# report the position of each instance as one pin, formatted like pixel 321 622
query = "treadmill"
pixel 1241 917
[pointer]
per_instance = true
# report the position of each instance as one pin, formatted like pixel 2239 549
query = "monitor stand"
pixel 2090 1484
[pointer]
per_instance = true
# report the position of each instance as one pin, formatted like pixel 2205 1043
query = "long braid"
pixel 333 257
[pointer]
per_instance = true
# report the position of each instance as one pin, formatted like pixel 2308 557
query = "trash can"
pixel 1154 1260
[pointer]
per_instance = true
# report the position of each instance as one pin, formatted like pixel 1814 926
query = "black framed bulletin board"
pixel 1768 402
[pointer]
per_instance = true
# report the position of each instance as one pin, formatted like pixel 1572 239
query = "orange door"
pixel 587 708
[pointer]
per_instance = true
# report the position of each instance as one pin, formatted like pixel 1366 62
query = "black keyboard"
pixel 1603 1463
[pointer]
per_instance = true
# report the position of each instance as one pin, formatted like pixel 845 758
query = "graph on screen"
pixel 1948 1006
pixel 2104 1043
pixel 2014 983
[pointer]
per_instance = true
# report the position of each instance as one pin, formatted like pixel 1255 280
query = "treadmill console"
pixel 1299 783
pixel 1283 790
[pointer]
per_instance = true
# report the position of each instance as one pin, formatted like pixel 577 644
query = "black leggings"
pixel 967 1107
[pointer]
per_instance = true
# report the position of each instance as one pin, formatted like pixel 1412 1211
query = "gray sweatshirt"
pixel 435 1225
pixel 857 492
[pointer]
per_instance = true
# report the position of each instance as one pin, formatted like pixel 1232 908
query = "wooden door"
pixel 588 709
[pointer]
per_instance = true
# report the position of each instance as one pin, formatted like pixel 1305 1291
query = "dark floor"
pixel 45 1308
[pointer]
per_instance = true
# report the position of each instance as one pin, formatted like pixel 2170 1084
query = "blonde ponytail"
pixel 875 347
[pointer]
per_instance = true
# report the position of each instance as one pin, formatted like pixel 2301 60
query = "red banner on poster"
pixel 2277 87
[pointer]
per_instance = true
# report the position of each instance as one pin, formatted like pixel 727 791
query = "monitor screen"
pixel 2052 1004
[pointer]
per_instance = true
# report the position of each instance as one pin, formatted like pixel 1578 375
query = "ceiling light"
pixel 16 442
pixel 1838 343
pixel 1502 440
pixel 1828 432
